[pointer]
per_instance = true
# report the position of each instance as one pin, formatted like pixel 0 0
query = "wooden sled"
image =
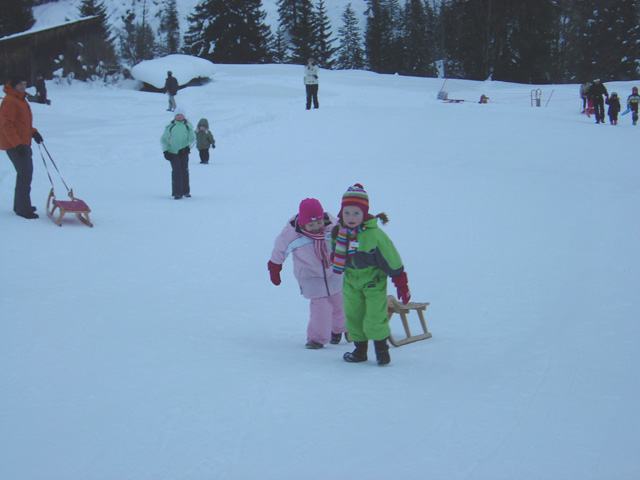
pixel 394 306
pixel 75 205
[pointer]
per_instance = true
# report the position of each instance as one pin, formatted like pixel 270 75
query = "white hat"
pixel 180 111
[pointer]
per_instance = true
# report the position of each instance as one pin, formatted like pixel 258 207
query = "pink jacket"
pixel 314 280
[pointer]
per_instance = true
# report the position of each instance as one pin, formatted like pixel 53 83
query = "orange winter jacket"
pixel 15 119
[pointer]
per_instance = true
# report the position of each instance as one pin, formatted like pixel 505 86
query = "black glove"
pixel 23 150
pixel 185 151
pixel 213 145
pixel 37 137
pixel 168 155
pixel 315 76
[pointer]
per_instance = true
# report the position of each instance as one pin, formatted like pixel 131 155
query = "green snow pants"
pixel 365 306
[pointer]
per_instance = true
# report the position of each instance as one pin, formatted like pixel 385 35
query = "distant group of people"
pixel 595 95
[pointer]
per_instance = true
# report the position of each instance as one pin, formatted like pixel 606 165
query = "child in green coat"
pixel 204 140
pixel 367 257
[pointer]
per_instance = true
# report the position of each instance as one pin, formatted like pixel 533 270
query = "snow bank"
pixel 184 67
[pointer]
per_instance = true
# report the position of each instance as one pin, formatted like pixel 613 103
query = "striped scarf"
pixel 320 245
pixel 345 247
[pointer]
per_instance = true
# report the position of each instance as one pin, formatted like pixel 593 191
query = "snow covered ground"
pixel 153 346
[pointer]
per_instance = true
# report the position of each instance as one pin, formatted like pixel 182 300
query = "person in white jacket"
pixel 307 236
pixel 311 83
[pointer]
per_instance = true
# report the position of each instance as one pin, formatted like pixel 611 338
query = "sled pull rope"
pixel 53 163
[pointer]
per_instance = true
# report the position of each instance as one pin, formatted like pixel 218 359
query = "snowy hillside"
pixel 154 347
pixel 54 13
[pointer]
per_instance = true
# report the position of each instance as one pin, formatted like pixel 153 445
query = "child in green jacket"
pixel 367 257
pixel 204 140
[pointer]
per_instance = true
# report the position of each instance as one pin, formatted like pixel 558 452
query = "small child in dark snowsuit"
pixel 204 139
pixel 367 257
pixel 633 101
pixel 614 108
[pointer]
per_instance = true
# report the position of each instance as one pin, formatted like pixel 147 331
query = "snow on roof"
pixel 48 27
pixel 184 67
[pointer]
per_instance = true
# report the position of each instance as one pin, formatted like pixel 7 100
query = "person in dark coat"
pixel 596 91
pixel 614 108
pixel 171 87
pixel 41 90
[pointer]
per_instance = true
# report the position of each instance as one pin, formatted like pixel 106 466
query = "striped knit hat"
pixel 356 196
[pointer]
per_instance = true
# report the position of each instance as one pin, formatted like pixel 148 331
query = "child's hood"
pixel 203 123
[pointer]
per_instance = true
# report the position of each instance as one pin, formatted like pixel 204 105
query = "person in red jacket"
pixel 16 132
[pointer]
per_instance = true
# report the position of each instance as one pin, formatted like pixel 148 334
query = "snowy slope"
pixel 153 346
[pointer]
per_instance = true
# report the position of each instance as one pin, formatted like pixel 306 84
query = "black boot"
pixel 382 352
pixel 335 338
pixel 359 354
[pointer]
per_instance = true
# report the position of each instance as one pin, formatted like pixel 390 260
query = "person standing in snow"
pixel 204 140
pixel 307 236
pixel 177 139
pixel 311 83
pixel 16 132
pixel 41 90
pixel 596 91
pixel 171 88
pixel 614 108
pixel 633 101
pixel 367 257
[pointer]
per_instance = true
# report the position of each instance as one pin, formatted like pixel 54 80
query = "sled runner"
pixel 56 209
pixel 393 306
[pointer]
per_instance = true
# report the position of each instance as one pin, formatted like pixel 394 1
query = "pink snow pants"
pixel 327 315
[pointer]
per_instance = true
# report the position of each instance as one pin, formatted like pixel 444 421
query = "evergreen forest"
pixel 524 41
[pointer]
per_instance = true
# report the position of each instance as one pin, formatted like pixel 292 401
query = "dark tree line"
pixel 527 41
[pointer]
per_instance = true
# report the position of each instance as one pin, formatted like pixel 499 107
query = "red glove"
pixel 274 272
pixel 401 284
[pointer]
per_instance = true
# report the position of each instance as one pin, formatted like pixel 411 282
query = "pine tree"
pixel 137 41
pixel 170 28
pixel 229 31
pixel 379 37
pixel 350 51
pixel 529 45
pixel 299 26
pixel 325 50
pixel 304 34
pixel 476 33
pixel 280 47
pixel 612 36
pixel 15 16
pixel 93 54
pixel 418 50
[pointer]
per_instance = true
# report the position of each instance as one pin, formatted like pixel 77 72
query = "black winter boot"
pixel 382 352
pixel 359 354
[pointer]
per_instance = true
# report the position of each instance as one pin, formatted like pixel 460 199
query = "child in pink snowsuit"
pixel 308 237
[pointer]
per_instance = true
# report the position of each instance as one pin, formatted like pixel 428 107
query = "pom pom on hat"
pixel 356 196
pixel 180 111
pixel 310 210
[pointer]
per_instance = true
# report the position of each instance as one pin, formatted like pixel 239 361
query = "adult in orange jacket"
pixel 16 132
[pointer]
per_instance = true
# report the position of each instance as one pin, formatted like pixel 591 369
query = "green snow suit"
pixel 364 288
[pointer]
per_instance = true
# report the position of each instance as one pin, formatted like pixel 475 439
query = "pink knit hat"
pixel 310 210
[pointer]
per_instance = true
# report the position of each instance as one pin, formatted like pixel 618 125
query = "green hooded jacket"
pixel 375 256
pixel 204 139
